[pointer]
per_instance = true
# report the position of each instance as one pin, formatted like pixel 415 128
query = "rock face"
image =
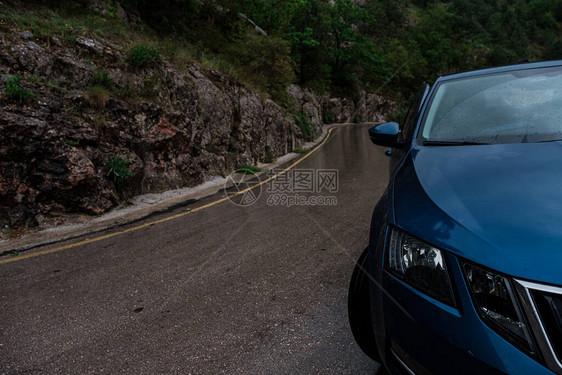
pixel 172 128
pixel 325 109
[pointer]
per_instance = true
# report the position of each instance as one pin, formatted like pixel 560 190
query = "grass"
pixel 46 22
pixel 118 169
pixel 42 81
pixel 299 150
pixel 249 169
pixel 66 25
pixel 102 79
pixel 142 45
pixel 142 55
pixel 15 93
pixel 97 96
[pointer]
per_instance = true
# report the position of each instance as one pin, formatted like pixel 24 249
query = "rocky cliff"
pixel 169 127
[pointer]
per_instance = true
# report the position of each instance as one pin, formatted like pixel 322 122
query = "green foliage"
pixel 307 129
pixel 267 62
pixel 44 24
pixel 299 150
pixel 118 169
pixel 328 116
pixel 327 41
pixel 338 46
pixel 102 79
pixel 165 16
pixel 355 56
pixel 398 115
pixel 141 56
pixel 309 35
pixel 15 93
pixel 269 157
pixel 248 169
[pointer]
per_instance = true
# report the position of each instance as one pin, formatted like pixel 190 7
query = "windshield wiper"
pixel 452 143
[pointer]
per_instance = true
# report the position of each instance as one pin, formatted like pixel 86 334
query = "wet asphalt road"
pixel 257 289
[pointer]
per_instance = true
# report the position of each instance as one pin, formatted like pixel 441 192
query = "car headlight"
pixel 420 265
pixel 497 305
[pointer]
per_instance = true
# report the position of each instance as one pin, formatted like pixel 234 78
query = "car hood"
pixel 497 205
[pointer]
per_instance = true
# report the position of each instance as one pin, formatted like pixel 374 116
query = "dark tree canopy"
pixel 343 47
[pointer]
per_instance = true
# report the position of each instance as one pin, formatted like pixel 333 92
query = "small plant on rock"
pixel 97 96
pixel 148 90
pixel 140 56
pixel 118 169
pixel 15 93
pixel 102 79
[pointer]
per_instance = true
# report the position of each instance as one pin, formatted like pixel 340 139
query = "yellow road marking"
pixel 115 234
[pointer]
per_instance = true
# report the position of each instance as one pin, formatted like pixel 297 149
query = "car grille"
pixel 549 307
pixel 543 307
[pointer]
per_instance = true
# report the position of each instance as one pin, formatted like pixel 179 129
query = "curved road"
pixel 254 289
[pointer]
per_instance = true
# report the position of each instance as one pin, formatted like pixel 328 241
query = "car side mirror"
pixel 386 135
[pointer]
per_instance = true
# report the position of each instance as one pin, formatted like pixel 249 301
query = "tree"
pixel 267 60
pixel 354 55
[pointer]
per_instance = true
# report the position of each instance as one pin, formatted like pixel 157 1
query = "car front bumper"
pixel 417 334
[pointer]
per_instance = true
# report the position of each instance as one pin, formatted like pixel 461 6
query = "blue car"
pixel 463 271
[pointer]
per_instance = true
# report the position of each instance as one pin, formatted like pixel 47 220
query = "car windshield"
pixel 513 107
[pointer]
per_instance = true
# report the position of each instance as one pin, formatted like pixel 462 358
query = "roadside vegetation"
pixel 248 169
pixel 302 121
pixel 118 169
pixel 15 93
pixel 386 46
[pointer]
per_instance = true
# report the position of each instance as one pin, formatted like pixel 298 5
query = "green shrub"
pixel 141 56
pixel 249 169
pixel 328 116
pixel 267 63
pixel 302 121
pixel 269 157
pixel 97 96
pixel 15 93
pixel 118 169
pixel 102 79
